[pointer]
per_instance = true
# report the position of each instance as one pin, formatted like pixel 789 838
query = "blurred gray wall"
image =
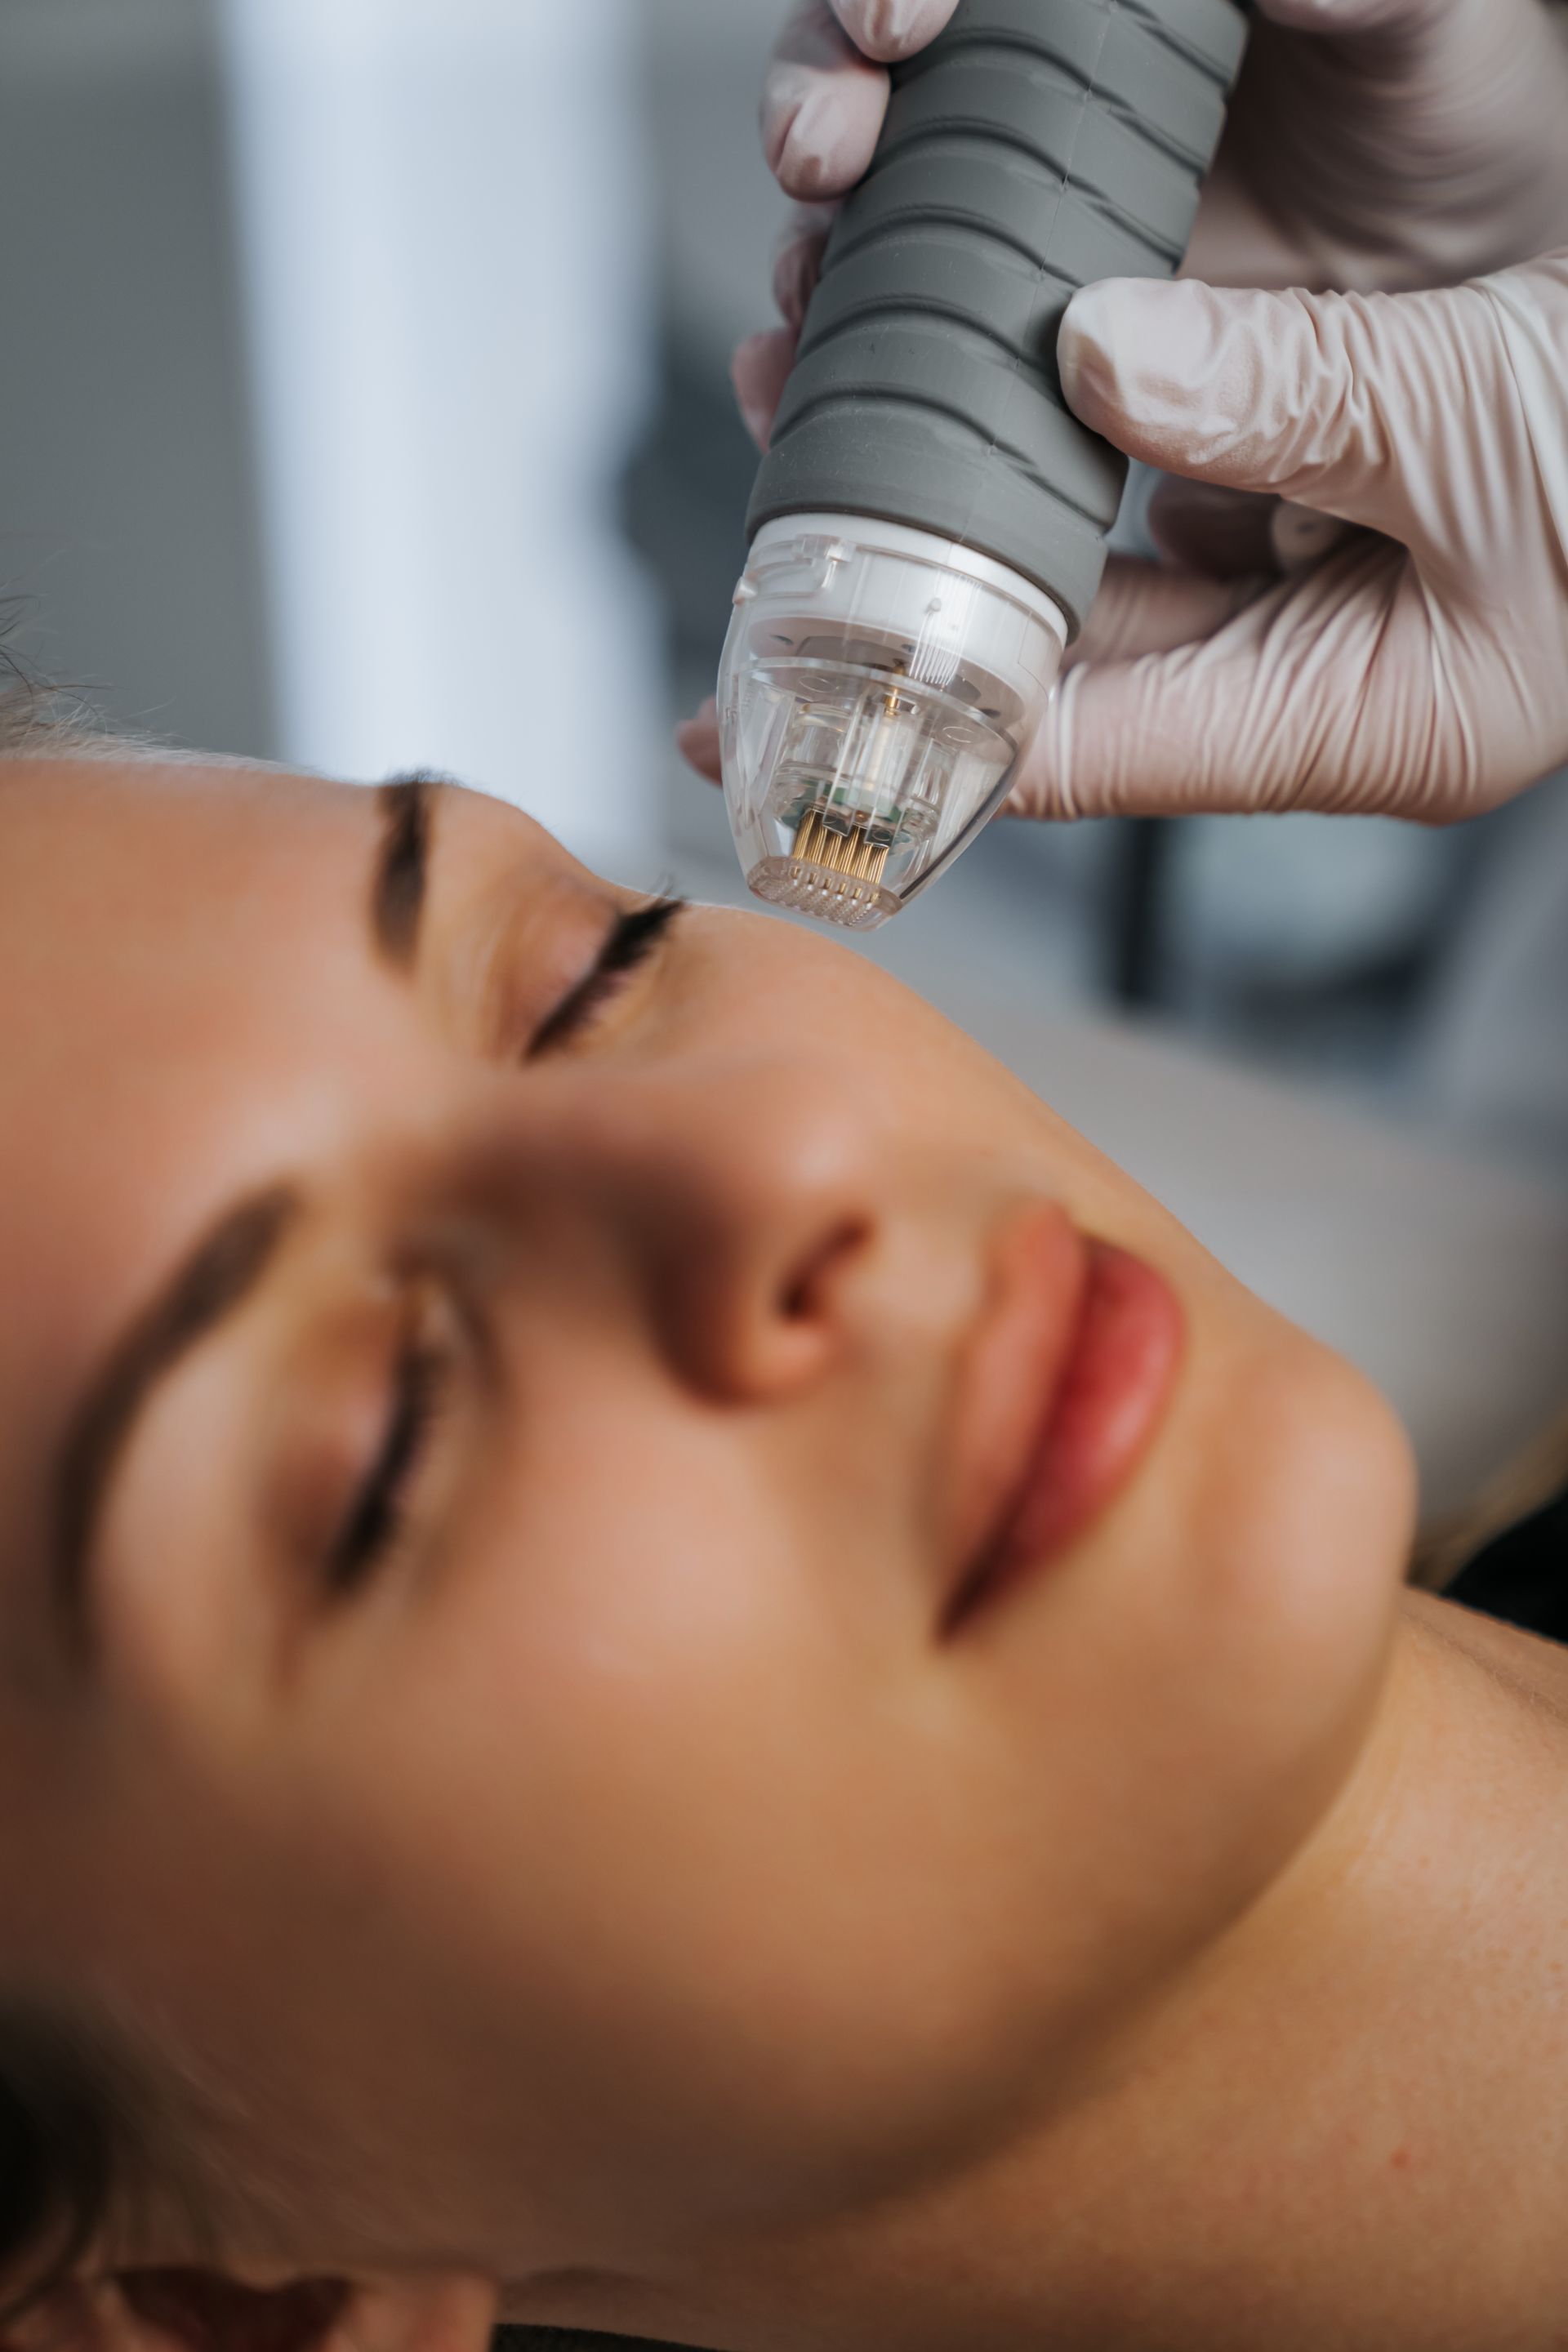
pixel 127 505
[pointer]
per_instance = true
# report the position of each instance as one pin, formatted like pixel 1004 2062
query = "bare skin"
pixel 622 1900
pixel 1345 2127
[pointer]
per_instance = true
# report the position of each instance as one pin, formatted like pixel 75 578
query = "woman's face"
pixel 618 1619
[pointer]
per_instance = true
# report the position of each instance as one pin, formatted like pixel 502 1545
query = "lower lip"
pixel 1108 1403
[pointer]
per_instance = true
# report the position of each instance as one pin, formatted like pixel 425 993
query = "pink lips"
pixel 1109 1338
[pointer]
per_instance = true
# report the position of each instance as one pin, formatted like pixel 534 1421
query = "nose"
pixel 748 1202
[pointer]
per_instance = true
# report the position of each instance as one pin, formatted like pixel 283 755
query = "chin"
pixel 1332 1496
pixel 1288 1518
pixel 1314 1525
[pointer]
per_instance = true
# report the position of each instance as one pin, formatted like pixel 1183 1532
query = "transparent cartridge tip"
pixel 878 685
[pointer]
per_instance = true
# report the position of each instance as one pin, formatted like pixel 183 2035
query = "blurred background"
pixel 365 405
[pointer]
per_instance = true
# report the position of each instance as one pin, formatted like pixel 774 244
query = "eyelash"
pixel 378 1515
pixel 631 941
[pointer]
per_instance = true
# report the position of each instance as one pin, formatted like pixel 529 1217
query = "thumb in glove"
pixel 1419 672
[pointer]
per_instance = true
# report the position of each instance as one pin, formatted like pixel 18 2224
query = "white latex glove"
pixel 1372 144
pixel 1425 678
pixel 1422 673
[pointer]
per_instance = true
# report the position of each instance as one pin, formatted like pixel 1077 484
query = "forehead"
pixel 125 887
pixel 80 835
pixel 148 920
pixel 112 874
pixel 178 948
pixel 159 929
pixel 185 953
pixel 158 858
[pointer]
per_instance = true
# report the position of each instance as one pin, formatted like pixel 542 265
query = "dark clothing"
pixel 1522 1575
pixel 571 2340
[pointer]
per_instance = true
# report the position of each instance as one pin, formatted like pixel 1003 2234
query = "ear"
pixel 202 2311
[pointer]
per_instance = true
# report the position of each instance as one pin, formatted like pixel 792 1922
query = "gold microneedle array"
pixel 851 851
pixel 847 836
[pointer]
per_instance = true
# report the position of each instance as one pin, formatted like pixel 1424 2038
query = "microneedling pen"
pixel 927 529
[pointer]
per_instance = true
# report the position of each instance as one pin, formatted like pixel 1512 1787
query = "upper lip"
pixel 1011 1370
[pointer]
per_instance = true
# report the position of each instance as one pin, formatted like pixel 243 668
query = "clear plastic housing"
pixel 878 685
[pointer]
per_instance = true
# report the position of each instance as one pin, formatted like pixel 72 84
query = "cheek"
pixel 676 1787
pixel 1317 1530
pixel 1267 1570
pixel 614 1678
pixel 1166 1713
pixel 1302 1511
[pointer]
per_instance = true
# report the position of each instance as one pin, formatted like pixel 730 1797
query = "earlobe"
pixel 447 2312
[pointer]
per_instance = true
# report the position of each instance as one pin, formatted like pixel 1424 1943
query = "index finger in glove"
pixel 823 103
pixel 826 87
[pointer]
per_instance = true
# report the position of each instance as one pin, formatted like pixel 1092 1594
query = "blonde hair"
pixel 34 718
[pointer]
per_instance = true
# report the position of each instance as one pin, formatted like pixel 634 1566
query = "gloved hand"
pixel 1427 677
pixel 1372 144
pixel 1422 672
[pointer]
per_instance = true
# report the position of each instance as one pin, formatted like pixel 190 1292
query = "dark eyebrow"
pixel 219 1274
pixel 403 865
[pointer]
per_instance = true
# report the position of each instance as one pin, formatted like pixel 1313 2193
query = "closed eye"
pixel 629 942
pixel 377 1517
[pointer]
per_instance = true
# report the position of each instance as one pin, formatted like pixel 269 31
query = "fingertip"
pixel 1090 342
pixel 820 157
pixel 889 30
pixel 823 104
pixel 1205 381
pixel 697 740
pixel 820 128
pixel 799 264
pixel 759 373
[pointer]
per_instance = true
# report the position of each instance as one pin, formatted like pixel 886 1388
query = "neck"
pixel 1345 2126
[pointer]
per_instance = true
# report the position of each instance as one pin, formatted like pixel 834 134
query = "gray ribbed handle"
pixel 1035 145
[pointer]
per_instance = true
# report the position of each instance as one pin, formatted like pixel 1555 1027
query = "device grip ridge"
pixel 1036 145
